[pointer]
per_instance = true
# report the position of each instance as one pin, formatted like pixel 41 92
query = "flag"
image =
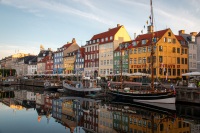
pixel 144 26
pixel 142 31
pixel 150 17
pixel 147 22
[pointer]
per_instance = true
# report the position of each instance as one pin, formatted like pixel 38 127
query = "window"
pixel 169 33
pixel 165 39
pixel 104 62
pixel 130 51
pixel 169 40
pixel 111 37
pixel 135 60
pixel 161 127
pixel 173 50
pixel 174 40
pixel 178 72
pixel 160 48
pixel 182 60
pixel 106 38
pixel 143 41
pixel 178 60
pixel 185 60
pixel 160 59
pixel 194 56
pixel 178 50
pixel 144 60
pixel 182 51
pixel 139 60
pixel 149 49
pixel 144 50
pixel 135 51
pixel 139 50
pixel 131 60
pixel 107 62
pixel 102 40
pixel 174 72
pixel 134 43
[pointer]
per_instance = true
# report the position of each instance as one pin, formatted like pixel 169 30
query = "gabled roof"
pixel 181 39
pixel 26 59
pixel 67 45
pixel 123 43
pixel 147 37
pixel 110 32
pixel 44 53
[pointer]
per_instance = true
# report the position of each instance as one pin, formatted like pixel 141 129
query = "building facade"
pixel 190 38
pixel 170 57
pixel 79 62
pixel 198 49
pixel 99 50
pixel 69 56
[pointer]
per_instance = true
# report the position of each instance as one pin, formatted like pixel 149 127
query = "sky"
pixel 26 24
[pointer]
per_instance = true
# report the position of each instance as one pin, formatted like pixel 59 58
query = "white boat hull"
pixel 171 100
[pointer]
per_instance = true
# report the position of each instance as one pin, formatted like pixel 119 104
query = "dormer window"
pixel 102 40
pixel 97 40
pixel 106 38
pixel 111 37
pixel 134 43
pixel 93 41
pixel 144 41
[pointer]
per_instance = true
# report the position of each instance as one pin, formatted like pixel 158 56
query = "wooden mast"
pixel 152 48
pixel 121 65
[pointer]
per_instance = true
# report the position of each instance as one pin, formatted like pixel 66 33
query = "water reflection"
pixel 78 114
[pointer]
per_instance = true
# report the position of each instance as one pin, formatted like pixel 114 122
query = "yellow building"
pixel 170 57
pixel 69 56
pixel 162 124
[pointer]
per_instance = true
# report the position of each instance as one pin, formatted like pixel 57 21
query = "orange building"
pixel 170 57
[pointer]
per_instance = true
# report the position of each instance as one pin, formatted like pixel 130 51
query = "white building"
pixel 190 38
pixel 198 49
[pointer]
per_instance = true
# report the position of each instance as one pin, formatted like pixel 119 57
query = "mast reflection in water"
pixel 27 109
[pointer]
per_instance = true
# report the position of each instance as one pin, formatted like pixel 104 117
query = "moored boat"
pixel 84 87
pixel 148 92
pixel 52 85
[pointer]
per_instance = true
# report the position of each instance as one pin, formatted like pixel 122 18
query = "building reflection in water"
pixel 78 114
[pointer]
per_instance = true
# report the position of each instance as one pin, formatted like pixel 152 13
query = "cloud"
pixel 37 6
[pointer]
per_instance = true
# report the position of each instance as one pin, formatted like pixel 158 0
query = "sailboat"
pixel 138 92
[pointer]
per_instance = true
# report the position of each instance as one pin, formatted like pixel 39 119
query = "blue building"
pixel 58 61
pixel 79 62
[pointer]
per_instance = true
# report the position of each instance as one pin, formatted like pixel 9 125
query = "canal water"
pixel 25 109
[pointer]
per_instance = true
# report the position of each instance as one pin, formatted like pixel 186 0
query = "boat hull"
pixel 164 97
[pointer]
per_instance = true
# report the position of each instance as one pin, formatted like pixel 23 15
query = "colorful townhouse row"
pixel 113 51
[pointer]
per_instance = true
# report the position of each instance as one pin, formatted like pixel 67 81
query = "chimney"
pixel 68 42
pixel 193 33
pixel 181 32
pixel 118 25
pixel 73 40
pixel 108 29
pixel 134 35
pixel 150 29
